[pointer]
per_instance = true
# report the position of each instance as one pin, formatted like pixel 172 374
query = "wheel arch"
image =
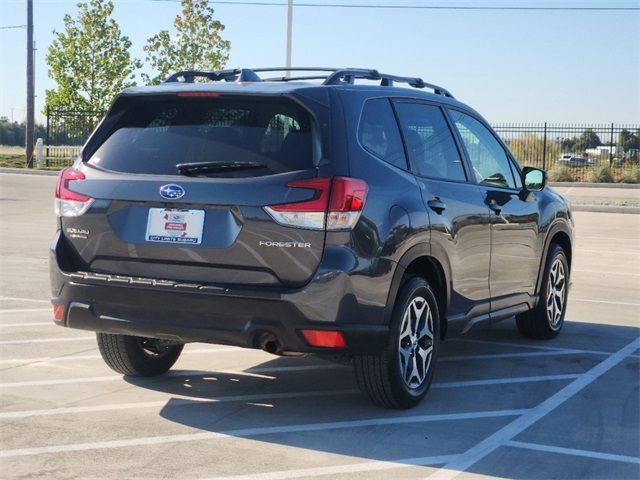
pixel 418 262
pixel 559 234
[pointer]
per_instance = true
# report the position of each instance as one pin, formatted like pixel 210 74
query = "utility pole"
pixel 30 88
pixel 289 31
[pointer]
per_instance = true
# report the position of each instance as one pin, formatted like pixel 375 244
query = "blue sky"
pixel 520 66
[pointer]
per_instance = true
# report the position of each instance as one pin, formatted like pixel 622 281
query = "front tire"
pixel 400 376
pixel 137 356
pixel 546 320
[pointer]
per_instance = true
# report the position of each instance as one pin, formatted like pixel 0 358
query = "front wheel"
pixel 137 356
pixel 400 376
pixel 546 320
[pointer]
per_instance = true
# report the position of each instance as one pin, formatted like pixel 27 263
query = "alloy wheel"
pixel 416 342
pixel 556 286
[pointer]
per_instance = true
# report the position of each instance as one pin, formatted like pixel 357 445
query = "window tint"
pixel 156 133
pixel 378 132
pixel 488 159
pixel 430 145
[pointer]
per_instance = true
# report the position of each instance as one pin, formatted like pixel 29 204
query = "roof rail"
pixel 335 76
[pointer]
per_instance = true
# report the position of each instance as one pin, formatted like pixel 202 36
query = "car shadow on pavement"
pixel 483 382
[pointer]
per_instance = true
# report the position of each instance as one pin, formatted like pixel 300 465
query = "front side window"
pixel 378 132
pixel 488 159
pixel 430 145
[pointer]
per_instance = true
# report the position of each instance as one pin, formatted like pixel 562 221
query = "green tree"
pixel 628 140
pixel 90 60
pixel 196 44
pixel 588 139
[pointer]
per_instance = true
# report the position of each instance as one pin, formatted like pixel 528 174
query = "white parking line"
pixel 607 302
pixel 185 373
pixel 506 433
pixel 47 340
pixel 24 310
pixel 22 299
pixel 127 406
pixel 612 251
pixel 73 358
pixel 530 346
pixel 573 451
pixel 342 469
pixel 605 273
pixel 26 324
pixel 176 400
pixel 252 432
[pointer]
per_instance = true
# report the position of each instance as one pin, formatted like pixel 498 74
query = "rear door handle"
pixel 436 205
pixel 493 205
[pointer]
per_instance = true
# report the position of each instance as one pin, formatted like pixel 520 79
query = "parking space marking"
pixel 27 324
pixel 505 381
pixel 508 432
pixel 178 374
pixel 610 252
pixel 22 299
pixel 605 272
pixel 46 340
pixel 532 346
pixel 342 469
pixel 71 357
pixel 225 349
pixel 176 400
pixel 608 302
pixel 24 310
pixel 573 451
pixel 252 432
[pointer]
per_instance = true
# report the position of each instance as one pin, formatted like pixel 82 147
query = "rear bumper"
pixel 205 313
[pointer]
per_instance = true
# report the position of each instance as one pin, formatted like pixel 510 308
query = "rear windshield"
pixel 155 134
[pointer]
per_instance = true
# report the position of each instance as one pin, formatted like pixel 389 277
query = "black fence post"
pixel 47 149
pixel 544 148
pixel 611 147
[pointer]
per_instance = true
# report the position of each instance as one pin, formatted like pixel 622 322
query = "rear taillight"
pixel 69 203
pixel 336 205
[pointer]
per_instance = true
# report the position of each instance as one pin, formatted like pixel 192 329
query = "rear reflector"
pixel 69 203
pixel 58 312
pixel 324 338
pixel 336 204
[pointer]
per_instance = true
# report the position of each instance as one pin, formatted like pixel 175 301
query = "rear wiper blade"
pixel 186 168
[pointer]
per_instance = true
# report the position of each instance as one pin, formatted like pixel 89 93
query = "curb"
pixel 29 171
pixel 595 185
pixel 605 209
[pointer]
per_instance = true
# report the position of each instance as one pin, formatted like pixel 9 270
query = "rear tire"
pixel 546 320
pixel 400 376
pixel 137 356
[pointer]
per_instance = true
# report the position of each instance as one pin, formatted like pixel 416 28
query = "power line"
pixel 13 26
pixel 415 7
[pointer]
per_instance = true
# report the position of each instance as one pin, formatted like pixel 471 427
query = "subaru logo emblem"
pixel 171 191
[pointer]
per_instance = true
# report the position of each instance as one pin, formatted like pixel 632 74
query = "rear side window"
pixel 430 144
pixel 378 132
pixel 156 134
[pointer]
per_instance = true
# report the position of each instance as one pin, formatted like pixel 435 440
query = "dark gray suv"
pixel 304 214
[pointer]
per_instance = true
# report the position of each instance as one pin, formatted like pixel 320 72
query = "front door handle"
pixel 436 205
pixel 493 205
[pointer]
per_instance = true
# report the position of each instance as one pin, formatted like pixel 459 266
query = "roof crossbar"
pixel 335 76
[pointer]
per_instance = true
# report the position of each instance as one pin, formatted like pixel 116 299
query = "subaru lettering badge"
pixel 171 191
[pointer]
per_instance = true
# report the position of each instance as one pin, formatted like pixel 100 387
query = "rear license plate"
pixel 175 226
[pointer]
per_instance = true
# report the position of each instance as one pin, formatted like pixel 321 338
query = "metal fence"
pixel 569 152
pixel 576 152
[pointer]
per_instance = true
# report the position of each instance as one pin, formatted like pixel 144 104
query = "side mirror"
pixel 534 179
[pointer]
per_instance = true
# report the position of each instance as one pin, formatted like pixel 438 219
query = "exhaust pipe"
pixel 270 344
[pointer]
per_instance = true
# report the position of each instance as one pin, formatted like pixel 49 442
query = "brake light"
pixel 198 94
pixel 336 204
pixel 69 203
pixel 324 338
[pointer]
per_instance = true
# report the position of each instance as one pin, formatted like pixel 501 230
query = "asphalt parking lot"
pixel 500 406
